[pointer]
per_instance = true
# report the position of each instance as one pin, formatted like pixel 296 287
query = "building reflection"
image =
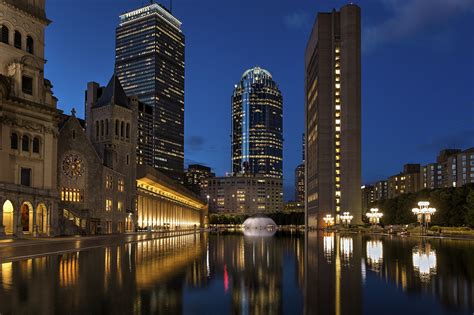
pixel 374 252
pixel 333 283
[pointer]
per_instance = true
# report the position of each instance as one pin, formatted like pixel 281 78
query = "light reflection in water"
pixel 347 248
pixel 6 274
pixel 424 261
pixel 374 250
pixel 328 246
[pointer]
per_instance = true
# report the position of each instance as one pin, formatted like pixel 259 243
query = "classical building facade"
pixel 333 116
pixel 244 194
pixel 28 123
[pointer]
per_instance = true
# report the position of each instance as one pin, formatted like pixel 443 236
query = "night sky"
pixel 417 71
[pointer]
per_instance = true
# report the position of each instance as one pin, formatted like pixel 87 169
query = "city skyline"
pixel 204 145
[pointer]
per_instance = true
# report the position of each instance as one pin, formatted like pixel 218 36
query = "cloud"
pixel 461 139
pixel 411 17
pixel 195 143
pixel 296 20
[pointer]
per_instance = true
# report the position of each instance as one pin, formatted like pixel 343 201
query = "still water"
pixel 236 274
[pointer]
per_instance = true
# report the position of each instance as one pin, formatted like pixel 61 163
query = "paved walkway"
pixel 19 249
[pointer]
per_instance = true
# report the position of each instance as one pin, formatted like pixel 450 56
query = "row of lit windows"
pixel 71 194
pixel 337 121
pixel 109 183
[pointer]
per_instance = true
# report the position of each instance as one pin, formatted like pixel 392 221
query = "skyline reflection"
pixel 318 273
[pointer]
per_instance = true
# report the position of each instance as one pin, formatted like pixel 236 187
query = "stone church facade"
pixel 96 163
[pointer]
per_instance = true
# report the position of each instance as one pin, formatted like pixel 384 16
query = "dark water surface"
pixel 236 274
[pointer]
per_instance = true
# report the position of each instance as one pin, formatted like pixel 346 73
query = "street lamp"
pixel 346 218
pixel 374 216
pixel 329 220
pixel 423 214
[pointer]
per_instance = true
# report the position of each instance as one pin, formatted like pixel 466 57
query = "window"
pixel 128 131
pixel 36 145
pixel 108 205
pixel 120 206
pixel 101 128
pixel 27 85
pixel 4 34
pixel 17 40
pixel 116 127
pixel 106 127
pixel 108 181
pixel 122 129
pixel 14 141
pixel 121 185
pixel 29 45
pixel 25 176
pixel 74 134
pixel 128 159
pixel 25 143
pixel 71 194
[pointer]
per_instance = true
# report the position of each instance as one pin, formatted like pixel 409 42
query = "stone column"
pixel 34 232
pixel 17 227
pixel 2 227
pixel 52 218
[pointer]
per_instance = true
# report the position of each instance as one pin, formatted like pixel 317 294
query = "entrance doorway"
pixel 8 217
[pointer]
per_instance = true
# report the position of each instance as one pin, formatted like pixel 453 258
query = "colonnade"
pixel 157 212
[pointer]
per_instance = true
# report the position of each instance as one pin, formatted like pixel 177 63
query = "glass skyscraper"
pixel 257 125
pixel 150 65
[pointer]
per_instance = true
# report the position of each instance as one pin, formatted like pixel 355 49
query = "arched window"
pixel 97 129
pixel 36 145
pixel 29 44
pixel 106 127
pixel 17 40
pixel 25 143
pixel 101 128
pixel 4 34
pixel 122 129
pixel 14 141
pixel 116 127
pixel 128 131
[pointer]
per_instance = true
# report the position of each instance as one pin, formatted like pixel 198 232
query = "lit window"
pixel 108 205
pixel 120 206
pixel 121 185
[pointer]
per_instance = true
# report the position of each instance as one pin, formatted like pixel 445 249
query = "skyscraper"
pixel 257 125
pixel 149 62
pixel 333 110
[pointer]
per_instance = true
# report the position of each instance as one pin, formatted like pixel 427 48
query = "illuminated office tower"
pixel 149 63
pixel 257 125
pixel 333 110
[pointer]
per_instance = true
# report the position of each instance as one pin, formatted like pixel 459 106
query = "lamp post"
pixel 346 218
pixel 423 214
pixel 374 216
pixel 329 220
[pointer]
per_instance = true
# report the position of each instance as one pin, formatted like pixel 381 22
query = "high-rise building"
pixel 368 197
pixel 381 190
pixel 299 183
pixel 257 125
pixel 149 62
pixel 195 176
pixel 333 116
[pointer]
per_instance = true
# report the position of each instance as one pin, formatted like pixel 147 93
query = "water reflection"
pixel 424 261
pixel 234 274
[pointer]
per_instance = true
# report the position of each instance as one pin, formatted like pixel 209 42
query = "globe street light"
pixel 374 216
pixel 346 218
pixel 329 220
pixel 423 214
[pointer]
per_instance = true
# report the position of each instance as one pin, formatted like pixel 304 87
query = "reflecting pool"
pixel 322 273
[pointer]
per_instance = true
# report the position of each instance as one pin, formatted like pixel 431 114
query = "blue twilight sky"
pixel 417 71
